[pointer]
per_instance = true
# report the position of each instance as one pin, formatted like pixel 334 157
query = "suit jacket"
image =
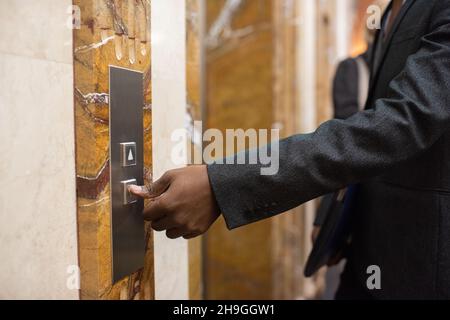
pixel 398 150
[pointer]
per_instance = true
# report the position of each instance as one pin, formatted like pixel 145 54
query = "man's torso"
pixel 402 221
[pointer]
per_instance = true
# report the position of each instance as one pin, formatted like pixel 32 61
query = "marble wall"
pixel 238 94
pixel 268 64
pixel 38 232
pixel 252 80
pixel 288 230
pixel 116 33
pixel 169 113
pixel 195 111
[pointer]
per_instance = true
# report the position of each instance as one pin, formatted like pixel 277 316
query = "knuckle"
pixel 146 210
pixel 171 234
pixel 157 227
pixel 168 175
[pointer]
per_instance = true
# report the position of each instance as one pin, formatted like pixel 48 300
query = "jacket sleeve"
pixel 412 117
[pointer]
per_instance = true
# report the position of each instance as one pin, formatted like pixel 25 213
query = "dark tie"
pixel 396 8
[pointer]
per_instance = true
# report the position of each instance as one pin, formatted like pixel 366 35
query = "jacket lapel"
pixel 387 43
pixel 377 44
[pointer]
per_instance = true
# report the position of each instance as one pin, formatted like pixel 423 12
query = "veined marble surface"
pixel 116 33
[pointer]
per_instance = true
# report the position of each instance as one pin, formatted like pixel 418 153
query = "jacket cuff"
pixel 221 188
pixel 230 186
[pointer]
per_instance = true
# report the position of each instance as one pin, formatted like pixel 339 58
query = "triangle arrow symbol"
pixel 130 156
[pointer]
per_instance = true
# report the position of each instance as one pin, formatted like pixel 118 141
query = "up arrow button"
pixel 128 154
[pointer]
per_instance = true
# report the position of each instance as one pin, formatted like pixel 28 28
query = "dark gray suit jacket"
pixel 398 150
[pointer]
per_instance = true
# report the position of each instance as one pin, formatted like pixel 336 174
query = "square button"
pixel 128 198
pixel 128 154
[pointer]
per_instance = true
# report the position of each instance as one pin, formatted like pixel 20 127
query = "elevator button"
pixel 128 154
pixel 128 198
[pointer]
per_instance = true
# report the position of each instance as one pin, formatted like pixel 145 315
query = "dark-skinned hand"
pixel 181 202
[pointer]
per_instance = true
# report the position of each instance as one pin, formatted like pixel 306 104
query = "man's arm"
pixel 415 114
pixel 410 120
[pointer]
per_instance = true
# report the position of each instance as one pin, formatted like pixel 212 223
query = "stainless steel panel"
pixel 126 125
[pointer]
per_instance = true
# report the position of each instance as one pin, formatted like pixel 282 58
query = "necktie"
pixel 396 7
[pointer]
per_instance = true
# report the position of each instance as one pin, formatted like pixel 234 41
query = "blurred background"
pixel 229 63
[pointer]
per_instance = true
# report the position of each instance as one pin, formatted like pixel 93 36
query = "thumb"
pixel 152 190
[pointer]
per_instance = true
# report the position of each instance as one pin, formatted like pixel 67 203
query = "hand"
pixel 181 202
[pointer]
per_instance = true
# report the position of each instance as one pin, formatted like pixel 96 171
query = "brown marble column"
pixel 238 90
pixel 288 245
pixel 112 32
pixel 252 81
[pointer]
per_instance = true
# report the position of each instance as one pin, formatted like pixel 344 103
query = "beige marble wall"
pixel 169 113
pixel 195 107
pixel 37 165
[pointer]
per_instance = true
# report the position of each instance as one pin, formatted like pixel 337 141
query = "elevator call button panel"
pixel 126 102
